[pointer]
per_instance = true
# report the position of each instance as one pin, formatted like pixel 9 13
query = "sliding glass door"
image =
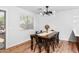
pixel 2 29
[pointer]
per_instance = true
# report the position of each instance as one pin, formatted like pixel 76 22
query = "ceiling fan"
pixel 46 11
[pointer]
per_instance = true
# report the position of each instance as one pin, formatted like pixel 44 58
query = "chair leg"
pixel 53 46
pixel 57 42
pixel 35 48
pixel 39 49
pixel 47 47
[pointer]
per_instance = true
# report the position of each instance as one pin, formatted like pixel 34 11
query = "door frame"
pixel 4 26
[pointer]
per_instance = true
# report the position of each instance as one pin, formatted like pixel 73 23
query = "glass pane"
pixel 2 29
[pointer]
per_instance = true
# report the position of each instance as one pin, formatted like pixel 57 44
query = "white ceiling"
pixel 35 9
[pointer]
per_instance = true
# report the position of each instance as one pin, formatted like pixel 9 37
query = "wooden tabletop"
pixel 47 34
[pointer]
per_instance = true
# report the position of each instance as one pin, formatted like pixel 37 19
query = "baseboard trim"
pixel 19 45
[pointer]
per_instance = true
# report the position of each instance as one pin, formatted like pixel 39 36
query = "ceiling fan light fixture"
pixel 46 11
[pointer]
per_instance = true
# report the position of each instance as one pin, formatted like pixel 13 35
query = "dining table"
pixel 45 36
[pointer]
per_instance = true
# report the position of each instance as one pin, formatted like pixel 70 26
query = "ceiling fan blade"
pixel 54 12
pixel 50 12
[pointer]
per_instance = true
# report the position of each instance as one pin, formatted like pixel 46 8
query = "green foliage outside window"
pixel 1 20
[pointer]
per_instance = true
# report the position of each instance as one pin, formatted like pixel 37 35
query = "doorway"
pixel 2 29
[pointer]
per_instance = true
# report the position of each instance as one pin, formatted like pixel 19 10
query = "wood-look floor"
pixel 63 47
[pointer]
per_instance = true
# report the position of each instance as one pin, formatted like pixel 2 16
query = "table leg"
pixel 31 43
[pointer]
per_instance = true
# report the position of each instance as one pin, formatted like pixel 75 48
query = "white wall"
pixel 62 22
pixel 76 21
pixel 14 35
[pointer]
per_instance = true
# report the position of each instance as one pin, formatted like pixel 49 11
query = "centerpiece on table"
pixel 47 27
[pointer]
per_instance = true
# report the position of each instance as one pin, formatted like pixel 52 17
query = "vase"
pixel 47 30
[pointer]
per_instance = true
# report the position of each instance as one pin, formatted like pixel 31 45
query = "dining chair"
pixel 46 44
pixel 52 42
pixel 38 43
pixel 36 32
pixel 57 39
pixel 41 31
pixel 41 42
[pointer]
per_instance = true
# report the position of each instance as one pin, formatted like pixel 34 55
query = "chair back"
pixel 41 31
pixel 38 40
pixel 36 32
pixel 57 35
